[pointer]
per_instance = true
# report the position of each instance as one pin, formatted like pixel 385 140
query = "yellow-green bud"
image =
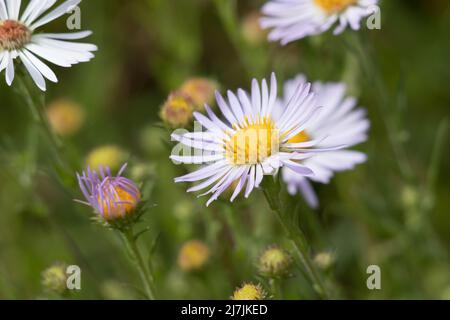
pixel 275 262
pixel 106 156
pixel 324 260
pixel 54 278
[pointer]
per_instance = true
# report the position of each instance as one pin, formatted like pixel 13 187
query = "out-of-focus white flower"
pixel 341 122
pixel 291 20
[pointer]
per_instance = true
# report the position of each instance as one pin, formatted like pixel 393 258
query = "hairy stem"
pixel 38 111
pixel 366 59
pixel 271 192
pixel 253 59
pixel 275 288
pixel 137 259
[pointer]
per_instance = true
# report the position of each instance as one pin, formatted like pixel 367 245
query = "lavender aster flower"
pixel 295 19
pixel 18 39
pixel 112 197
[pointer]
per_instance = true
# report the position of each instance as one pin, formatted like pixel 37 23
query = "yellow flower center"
pixel 334 6
pixel 253 144
pixel 299 138
pixel 119 204
pixel 249 292
pixel 13 35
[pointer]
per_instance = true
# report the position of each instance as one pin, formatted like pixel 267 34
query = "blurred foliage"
pixel 392 211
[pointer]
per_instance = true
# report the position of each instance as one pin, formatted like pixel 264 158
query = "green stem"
pixel 365 56
pixel 38 112
pixel 271 192
pixel 253 59
pixel 40 117
pixel 235 224
pixel 136 257
pixel 275 287
pixel 436 156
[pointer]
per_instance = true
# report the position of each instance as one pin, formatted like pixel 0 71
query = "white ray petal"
pixel 9 70
pixel 33 71
pixel 49 55
pixel 3 11
pixel 66 36
pixel 56 13
pixel 13 8
pixel 42 67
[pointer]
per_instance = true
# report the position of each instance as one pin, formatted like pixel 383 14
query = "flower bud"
pixel 200 91
pixel 193 255
pixel 409 197
pixel 274 262
pixel 324 260
pixel 106 156
pixel 249 291
pixel 66 117
pixel 178 110
pixel 113 198
pixel 54 278
pixel 251 29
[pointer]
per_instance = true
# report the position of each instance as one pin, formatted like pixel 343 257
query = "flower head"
pixel 251 28
pixel 178 109
pixel 112 197
pixel 200 91
pixel 341 123
pixel 274 262
pixel 66 117
pixel 54 278
pixel 18 39
pixel 193 255
pixel 249 291
pixel 296 19
pixel 110 156
pixel 324 259
pixel 251 141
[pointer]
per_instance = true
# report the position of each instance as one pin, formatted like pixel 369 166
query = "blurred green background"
pixel 392 211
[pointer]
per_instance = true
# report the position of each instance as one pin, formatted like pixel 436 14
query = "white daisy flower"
pixel 295 19
pixel 341 122
pixel 252 140
pixel 18 39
